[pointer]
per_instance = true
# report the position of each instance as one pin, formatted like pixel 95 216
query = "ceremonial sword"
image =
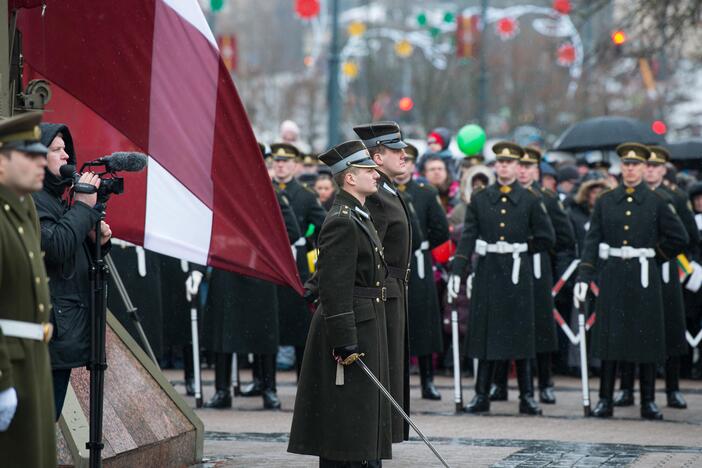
pixel 397 406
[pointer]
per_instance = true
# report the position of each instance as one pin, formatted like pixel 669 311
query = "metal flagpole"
pixel 397 406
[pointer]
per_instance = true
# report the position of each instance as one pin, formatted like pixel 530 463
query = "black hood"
pixel 49 131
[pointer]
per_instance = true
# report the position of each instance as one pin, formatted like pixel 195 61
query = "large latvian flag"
pixel 147 75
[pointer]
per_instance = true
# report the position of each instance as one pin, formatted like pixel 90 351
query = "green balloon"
pixel 471 139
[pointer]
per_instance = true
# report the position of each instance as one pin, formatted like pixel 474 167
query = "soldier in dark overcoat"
pixel 633 230
pixel 424 316
pixel 339 414
pixel 393 222
pixel 673 306
pixel 27 429
pixel 559 257
pixel 505 224
pixel 241 316
pixel 294 315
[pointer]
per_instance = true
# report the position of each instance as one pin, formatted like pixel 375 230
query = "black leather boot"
pixel 605 407
pixel 527 404
pixel 672 383
pixel 299 354
pixel 223 382
pixel 481 402
pixel 498 390
pixel 255 388
pixel 426 375
pixel 647 381
pixel 188 369
pixel 625 397
pixel 270 397
pixel 546 394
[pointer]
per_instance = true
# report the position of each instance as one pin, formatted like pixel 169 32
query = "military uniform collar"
pixel 344 198
pixel 637 194
pixel 286 185
pixel 10 201
pixel 512 192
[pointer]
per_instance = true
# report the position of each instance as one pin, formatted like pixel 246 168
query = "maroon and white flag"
pixel 147 75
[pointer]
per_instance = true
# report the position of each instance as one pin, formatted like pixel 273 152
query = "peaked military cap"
pixel 310 160
pixel 380 133
pixel 412 152
pixel 531 155
pixel 659 155
pixel 348 154
pixel 284 151
pixel 22 133
pixel 633 152
pixel 506 150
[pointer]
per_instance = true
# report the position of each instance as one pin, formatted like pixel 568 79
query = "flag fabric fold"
pixel 147 75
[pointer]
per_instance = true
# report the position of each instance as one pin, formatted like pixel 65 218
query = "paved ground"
pixel 247 436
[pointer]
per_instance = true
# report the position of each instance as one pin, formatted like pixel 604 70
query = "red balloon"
pixel 562 6
pixel 307 9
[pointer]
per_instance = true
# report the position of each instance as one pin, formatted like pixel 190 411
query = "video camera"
pixel 110 182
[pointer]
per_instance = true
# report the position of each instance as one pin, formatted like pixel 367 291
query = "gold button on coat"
pixel 20 230
pixel 628 213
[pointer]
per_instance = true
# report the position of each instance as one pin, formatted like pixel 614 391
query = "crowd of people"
pixel 399 240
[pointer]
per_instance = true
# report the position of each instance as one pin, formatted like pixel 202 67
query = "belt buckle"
pixel 502 247
pixel 627 252
pixel 48 330
pixel 383 294
pixel 407 275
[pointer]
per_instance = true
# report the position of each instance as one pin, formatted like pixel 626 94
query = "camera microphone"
pixel 122 161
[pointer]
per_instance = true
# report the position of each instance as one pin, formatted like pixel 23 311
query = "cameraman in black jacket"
pixel 67 240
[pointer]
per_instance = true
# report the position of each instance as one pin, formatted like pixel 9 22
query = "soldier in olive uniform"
pixel 241 316
pixel 27 434
pixel 633 229
pixel 673 307
pixel 423 301
pixel 294 315
pixel 559 257
pixel 505 224
pixel 339 414
pixel 392 219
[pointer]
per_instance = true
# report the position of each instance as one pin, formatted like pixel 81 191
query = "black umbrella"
pixel 685 150
pixel 605 133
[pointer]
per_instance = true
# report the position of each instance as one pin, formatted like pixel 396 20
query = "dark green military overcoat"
pixel 673 305
pixel 501 321
pixel 562 251
pixel 294 315
pixel 30 440
pixel 423 301
pixel 630 325
pixel 391 219
pixel 353 421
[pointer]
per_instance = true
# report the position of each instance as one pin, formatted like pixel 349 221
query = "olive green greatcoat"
pixel 673 305
pixel 351 422
pixel 630 325
pixel 392 220
pixel 501 320
pixel 30 439
pixel 424 316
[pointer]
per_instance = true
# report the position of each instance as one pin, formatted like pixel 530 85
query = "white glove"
pixel 192 284
pixel 8 406
pixel 453 286
pixel 579 293
pixel 469 285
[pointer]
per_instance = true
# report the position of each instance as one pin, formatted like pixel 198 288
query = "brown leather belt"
pixel 379 294
pixel 399 273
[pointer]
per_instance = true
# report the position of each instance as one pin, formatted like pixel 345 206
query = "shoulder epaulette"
pixel 548 192
pixel 605 192
pixel 533 192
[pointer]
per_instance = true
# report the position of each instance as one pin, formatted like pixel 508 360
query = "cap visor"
pixel 29 147
pixel 397 145
pixel 365 163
